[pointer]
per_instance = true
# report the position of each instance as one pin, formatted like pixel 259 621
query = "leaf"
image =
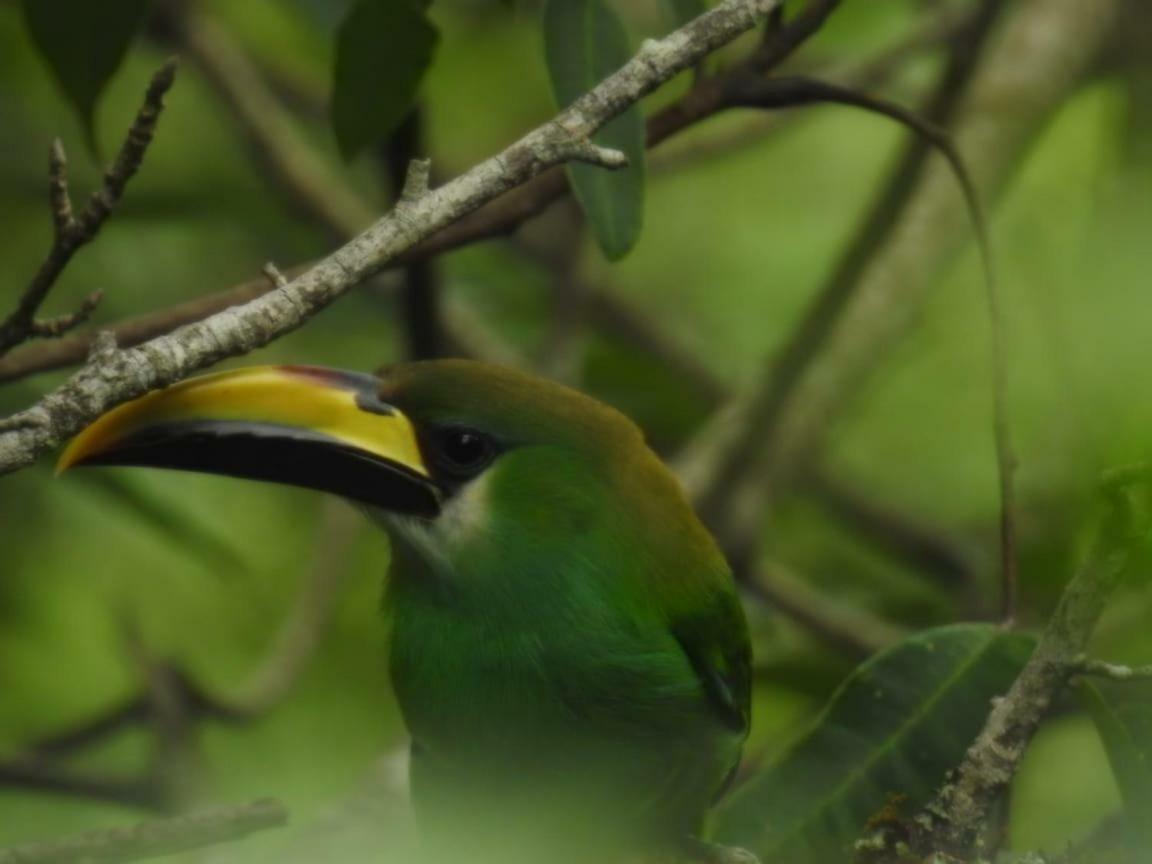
pixel 683 11
pixel 84 42
pixel 584 42
pixel 383 49
pixel 893 728
pixel 1122 712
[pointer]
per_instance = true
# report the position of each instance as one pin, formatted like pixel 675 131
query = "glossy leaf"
pixel 383 49
pixel 1122 712
pixel 584 42
pixel 84 42
pixel 893 728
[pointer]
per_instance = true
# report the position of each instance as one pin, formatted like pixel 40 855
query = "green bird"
pixel 567 646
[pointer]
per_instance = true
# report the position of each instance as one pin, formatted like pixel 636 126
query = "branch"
pixel 1111 671
pixel 124 374
pixel 153 839
pixel 1041 51
pixel 71 231
pixel 855 632
pixel 499 217
pixel 951 824
pixel 902 534
pixel 869 73
pixel 732 515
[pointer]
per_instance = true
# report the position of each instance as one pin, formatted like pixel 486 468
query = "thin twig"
pixel 853 631
pixel 1111 671
pixel 792 92
pixel 867 74
pixel 153 839
pixel 71 230
pixel 732 493
pixel 781 42
pixel 901 534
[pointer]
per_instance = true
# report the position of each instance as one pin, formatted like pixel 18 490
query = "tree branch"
pixel 952 823
pixel 272 133
pixel 71 230
pixel 124 374
pixel 153 839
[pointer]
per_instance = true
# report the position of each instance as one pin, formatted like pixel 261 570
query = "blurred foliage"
pixel 899 722
pixel 612 201
pixel 731 251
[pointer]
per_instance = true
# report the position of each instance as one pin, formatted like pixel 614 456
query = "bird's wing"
pixel 715 640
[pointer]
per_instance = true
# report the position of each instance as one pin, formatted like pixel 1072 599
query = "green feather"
pixel 567 644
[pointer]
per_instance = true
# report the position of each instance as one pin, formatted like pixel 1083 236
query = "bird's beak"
pixel 306 426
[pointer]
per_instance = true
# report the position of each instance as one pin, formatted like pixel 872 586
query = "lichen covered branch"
pixel 952 824
pixel 124 374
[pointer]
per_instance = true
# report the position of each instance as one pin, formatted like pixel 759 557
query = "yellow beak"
pixel 306 426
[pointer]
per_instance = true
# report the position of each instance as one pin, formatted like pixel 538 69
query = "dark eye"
pixel 463 451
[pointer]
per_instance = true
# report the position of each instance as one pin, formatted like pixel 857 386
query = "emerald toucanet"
pixel 567 647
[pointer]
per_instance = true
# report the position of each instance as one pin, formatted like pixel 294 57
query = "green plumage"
pixel 567 646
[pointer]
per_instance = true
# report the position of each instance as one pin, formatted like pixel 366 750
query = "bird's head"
pixel 461 453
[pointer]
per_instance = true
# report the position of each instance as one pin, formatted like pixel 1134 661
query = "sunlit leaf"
pixel 1122 712
pixel 584 42
pixel 891 731
pixel 383 49
pixel 84 42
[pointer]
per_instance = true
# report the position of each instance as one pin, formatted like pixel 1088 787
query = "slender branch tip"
pixel 416 180
pixel 278 279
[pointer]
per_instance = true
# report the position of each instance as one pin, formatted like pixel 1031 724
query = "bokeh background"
pixel 104 575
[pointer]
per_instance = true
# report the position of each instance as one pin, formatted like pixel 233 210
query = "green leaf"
pixel 84 43
pixel 383 49
pixel 1122 712
pixel 584 42
pixel 683 11
pixel 893 728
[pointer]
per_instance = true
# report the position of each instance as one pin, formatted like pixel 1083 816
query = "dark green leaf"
pixel 84 42
pixel 1122 712
pixel 683 11
pixel 894 727
pixel 584 42
pixel 383 48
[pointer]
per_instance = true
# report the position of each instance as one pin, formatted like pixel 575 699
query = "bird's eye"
pixel 463 451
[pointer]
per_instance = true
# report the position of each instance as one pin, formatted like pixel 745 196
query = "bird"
pixel 566 643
